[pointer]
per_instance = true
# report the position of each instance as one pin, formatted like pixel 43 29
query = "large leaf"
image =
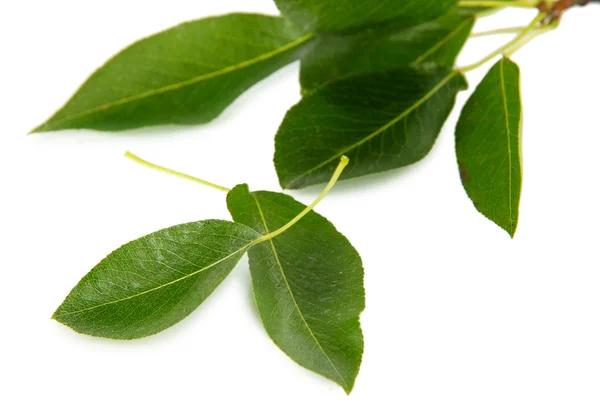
pixel 381 121
pixel 385 47
pixel 186 75
pixel 488 146
pixel 341 15
pixel 308 284
pixel 154 282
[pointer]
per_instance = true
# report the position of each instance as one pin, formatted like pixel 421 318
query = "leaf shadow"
pixel 148 134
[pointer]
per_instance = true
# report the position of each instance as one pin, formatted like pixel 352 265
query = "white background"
pixel 459 318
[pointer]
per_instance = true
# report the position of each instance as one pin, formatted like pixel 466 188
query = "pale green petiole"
pixel 507 30
pixel 175 173
pixel 334 178
pixel 336 175
pixel 512 46
pixel 530 36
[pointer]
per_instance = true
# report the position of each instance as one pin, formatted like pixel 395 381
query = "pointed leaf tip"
pixel 182 76
pixel 308 285
pixel 154 282
pixel 488 146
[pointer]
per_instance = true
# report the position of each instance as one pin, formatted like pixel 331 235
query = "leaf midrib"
pixel 384 128
pixel 160 286
pixel 508 139
pixel 415 63
pixel 289 289
pixel 183 84
pixel 441 43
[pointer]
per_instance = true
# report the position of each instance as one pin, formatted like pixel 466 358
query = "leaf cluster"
pixel 378 82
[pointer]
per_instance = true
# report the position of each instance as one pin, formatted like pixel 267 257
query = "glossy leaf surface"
pixel 308 284
pixel 154 282
pixel 389 46
pixel 342 15
pixel 488 146
pixel 186 75
pixel 381 121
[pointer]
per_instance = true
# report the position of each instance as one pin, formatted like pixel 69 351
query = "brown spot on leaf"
pixel 464 175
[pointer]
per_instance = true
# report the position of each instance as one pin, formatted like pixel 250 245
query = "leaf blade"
pixel 185 75
pixel 310 306
pixel 383 48
pixel 492 178
pixel 154 282
pixel 376 120
pixel 343 15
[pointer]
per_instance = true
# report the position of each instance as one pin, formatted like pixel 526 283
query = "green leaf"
pixel 488 146
pixel 341 15
pixel 479 11
pixel 475 11
pixel 308 284
pixel 385 47
pixel 156 281
pixel 380 121
pixel 186 75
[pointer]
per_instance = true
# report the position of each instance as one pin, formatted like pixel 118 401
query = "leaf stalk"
pixel 533 26
pixel 506 30
pixel 334 178
pixel 532 35
pixel 156 167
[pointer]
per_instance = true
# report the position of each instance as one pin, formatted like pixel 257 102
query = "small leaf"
pixel 156 281
pixel 380 121
pixel 341 15
pixel 186 75
pixel 488 146
pixel 389 46
pixel 308 284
